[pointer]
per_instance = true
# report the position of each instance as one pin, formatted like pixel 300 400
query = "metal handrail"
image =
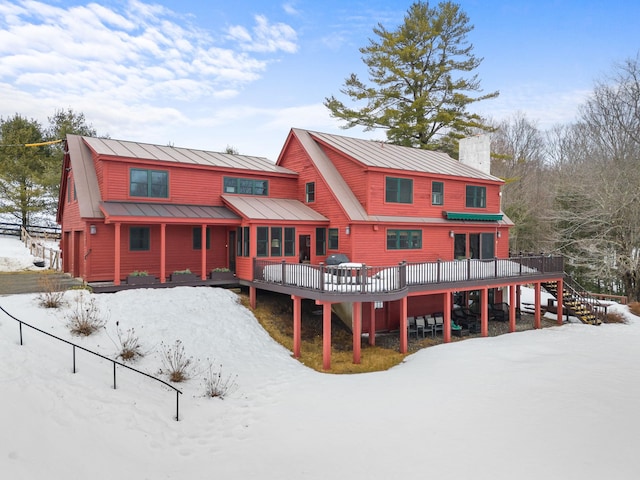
pixel 115 362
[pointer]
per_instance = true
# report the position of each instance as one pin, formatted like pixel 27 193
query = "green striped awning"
pixel 478 217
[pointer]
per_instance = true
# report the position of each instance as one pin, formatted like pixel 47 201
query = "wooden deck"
pixel 359 282
pixel 110 287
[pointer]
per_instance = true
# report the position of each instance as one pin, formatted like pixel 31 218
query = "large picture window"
pixel 404 239
pixel 476 197
pixel 333 239
pixel 148 183
pixel 437 193
pixel 139 239
pixel 197 238
pixel 321 241
pixel 246 186
pixel 289 242
pixel 243 241
pixel 276 241
pixel 398 190
pixel 263 241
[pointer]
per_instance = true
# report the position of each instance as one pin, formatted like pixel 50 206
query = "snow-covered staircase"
pixel 577 301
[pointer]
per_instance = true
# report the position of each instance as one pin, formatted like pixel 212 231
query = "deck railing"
pixel 37 248
pixel 360 278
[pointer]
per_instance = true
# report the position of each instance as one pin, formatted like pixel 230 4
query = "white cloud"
pixel 266 37
pixel 107 59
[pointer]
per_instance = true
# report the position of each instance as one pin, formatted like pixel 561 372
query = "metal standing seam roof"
pixel 84 177
pixel 385 155
pixel 145 151
pixel 166 210
pixel 266 208
pixel 345 196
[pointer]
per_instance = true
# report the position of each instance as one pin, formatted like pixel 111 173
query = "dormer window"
pixel 149 183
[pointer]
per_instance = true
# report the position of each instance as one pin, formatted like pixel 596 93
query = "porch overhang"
pixel 476 217
pixel 128 212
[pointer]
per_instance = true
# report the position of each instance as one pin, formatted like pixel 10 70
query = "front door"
pixel 304 248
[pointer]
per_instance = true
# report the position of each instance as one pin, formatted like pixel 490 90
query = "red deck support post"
pixel 357 331
pixel 404 334
pixel 446 332
pixel 512 308
pixel 116 260
pixel 372 323
pixel 297 328
pixel 536 314
pixel 163 252
pixel 203 243
pixel 326 336
pixel 484 312
pixel 252 297
pixel 559 301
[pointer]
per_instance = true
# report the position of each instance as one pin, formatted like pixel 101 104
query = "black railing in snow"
pixel 114 362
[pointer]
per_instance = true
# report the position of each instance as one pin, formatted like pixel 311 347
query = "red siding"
pixel 187 184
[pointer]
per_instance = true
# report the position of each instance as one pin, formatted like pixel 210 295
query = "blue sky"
pixel 242 73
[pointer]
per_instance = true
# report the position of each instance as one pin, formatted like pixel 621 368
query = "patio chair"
pixel 499 311
pixel 466 319
pixel 431 324
pixel 438 318
pixel 424 326
pixel 412 327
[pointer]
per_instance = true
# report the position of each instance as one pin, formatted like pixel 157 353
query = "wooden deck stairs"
pixel 577 301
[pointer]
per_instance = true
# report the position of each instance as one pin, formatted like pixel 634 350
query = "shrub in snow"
pixel 175 363
pixel 217 385
pixel 86 317
pixel 614 317
pixel 128 344
pixel 52 294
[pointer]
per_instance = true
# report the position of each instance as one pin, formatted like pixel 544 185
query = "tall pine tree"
pixel 421 78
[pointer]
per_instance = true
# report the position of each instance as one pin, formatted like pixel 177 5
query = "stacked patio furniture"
pixel 466 319
pixel 499 311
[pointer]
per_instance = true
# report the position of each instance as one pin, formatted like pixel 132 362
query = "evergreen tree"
pixel 24 170
pixel 420 91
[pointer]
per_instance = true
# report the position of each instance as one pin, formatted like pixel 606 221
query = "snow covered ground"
pixel 558 403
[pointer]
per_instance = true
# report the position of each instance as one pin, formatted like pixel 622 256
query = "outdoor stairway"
pixel 34 282
pixel 576 300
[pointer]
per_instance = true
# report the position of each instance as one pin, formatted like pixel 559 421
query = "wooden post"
pixel 203 256
pixel 297 325
pixel 559 301
pixel 372 323
pixel 116 260
pixel 404 334
pixel 163 252
pixel 357 331
pixel 536 301
pixel 484 312
pixel 326 336
pixel 512 308
pixel 446 329
pixel 252 297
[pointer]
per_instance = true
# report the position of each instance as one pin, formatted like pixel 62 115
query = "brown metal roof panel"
pixel 385 155
pixel 146 151
pixel 348 201
pixel 164 210
pixel 85 178
pixel 265 208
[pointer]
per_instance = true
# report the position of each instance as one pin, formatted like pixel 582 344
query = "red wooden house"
pixel 417 226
